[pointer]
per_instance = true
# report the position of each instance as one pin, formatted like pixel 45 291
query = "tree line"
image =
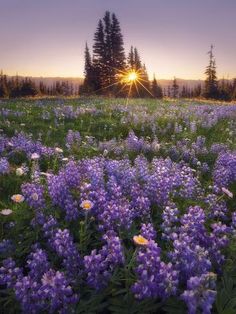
pixel 15 87
pixel 108 59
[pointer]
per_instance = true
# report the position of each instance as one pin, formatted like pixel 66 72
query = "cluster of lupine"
pixel 100 265
pixel 73 138
pixel 42 289
pixel 71 112
pixel 4 166
pixel 23 143
pixel 156 279
pixel 124 195
pixel 5 112
pixel 225 170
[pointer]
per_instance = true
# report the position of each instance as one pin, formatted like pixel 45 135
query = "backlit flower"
pixel 6 212
pixel 140 240
pixel 19 172
pixel 17 198
pixel 86 205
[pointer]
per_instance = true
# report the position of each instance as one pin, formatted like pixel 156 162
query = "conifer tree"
pixel 137 60
pixel 3 86
pixel 99 57
pixel 233 93
pixel 130 60
pixel 88 85
pixel 175 88
pixel 211 84
pixel 156 89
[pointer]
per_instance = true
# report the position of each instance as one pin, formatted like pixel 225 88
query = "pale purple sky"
pixel 47 37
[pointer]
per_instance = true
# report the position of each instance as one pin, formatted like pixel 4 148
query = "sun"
pixel 132 76
pixel 129 77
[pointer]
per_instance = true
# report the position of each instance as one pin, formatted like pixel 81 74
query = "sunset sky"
pixel 47 37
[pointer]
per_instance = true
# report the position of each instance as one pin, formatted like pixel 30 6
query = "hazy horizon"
pixel 43 39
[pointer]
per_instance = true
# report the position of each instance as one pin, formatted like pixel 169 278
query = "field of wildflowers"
pixel 109 207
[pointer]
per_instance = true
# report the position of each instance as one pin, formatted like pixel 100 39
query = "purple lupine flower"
pixel 28 293
pixel 61 196
pixel 155 278
pixel 34 195
pixel 217 208
pixel 224 171
pixel 50 226
pixel 170 217
pixel 73 138
pixel 9 273
pixel 38 264
pixel 62 242
pixel 148 231
pixel 6 246
pixel 218 240
pixel 57 292
pixel 4 166
pixel 200 293
pixel 100 265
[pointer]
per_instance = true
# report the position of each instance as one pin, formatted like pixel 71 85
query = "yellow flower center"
pixel 18 198
pixel 87 205
pixel 140 240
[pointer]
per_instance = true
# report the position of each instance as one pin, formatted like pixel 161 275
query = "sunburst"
pixel 128 79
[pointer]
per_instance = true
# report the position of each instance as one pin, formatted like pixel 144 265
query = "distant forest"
pixel 102 74
pixel 15 87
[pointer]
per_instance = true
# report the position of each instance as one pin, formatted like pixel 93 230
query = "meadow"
pixel 116 206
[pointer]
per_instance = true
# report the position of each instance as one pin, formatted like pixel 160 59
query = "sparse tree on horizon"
pixel 211 84
pixel 175 88
pixel 156 89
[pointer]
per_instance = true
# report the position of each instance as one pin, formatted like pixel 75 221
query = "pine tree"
pixel 168 91
pixel 197 91
pixel 3 86
pixel 117 45
pixel 137 60
pixel 88 86
pixel 211 84
pixel 184 92
pixel 156 89
pixel 175 88
pixel 28 88
pixel 224 91
pixel 130 60
pixel 98 62
pixel 233 94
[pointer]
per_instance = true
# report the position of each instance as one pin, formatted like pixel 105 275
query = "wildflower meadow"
pixel 116 206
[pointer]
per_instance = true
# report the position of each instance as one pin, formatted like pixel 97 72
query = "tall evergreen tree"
pixel 99 58
pixel 211 84
pixel 137 60
pixel 117 45
pixel 88 86
pixel 3 86
pixel 130 59
pixel 233 93
pixel 175 88
pixel 156 89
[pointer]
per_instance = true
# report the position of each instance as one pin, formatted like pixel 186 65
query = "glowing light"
pixel 132 76
pixel 129 77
